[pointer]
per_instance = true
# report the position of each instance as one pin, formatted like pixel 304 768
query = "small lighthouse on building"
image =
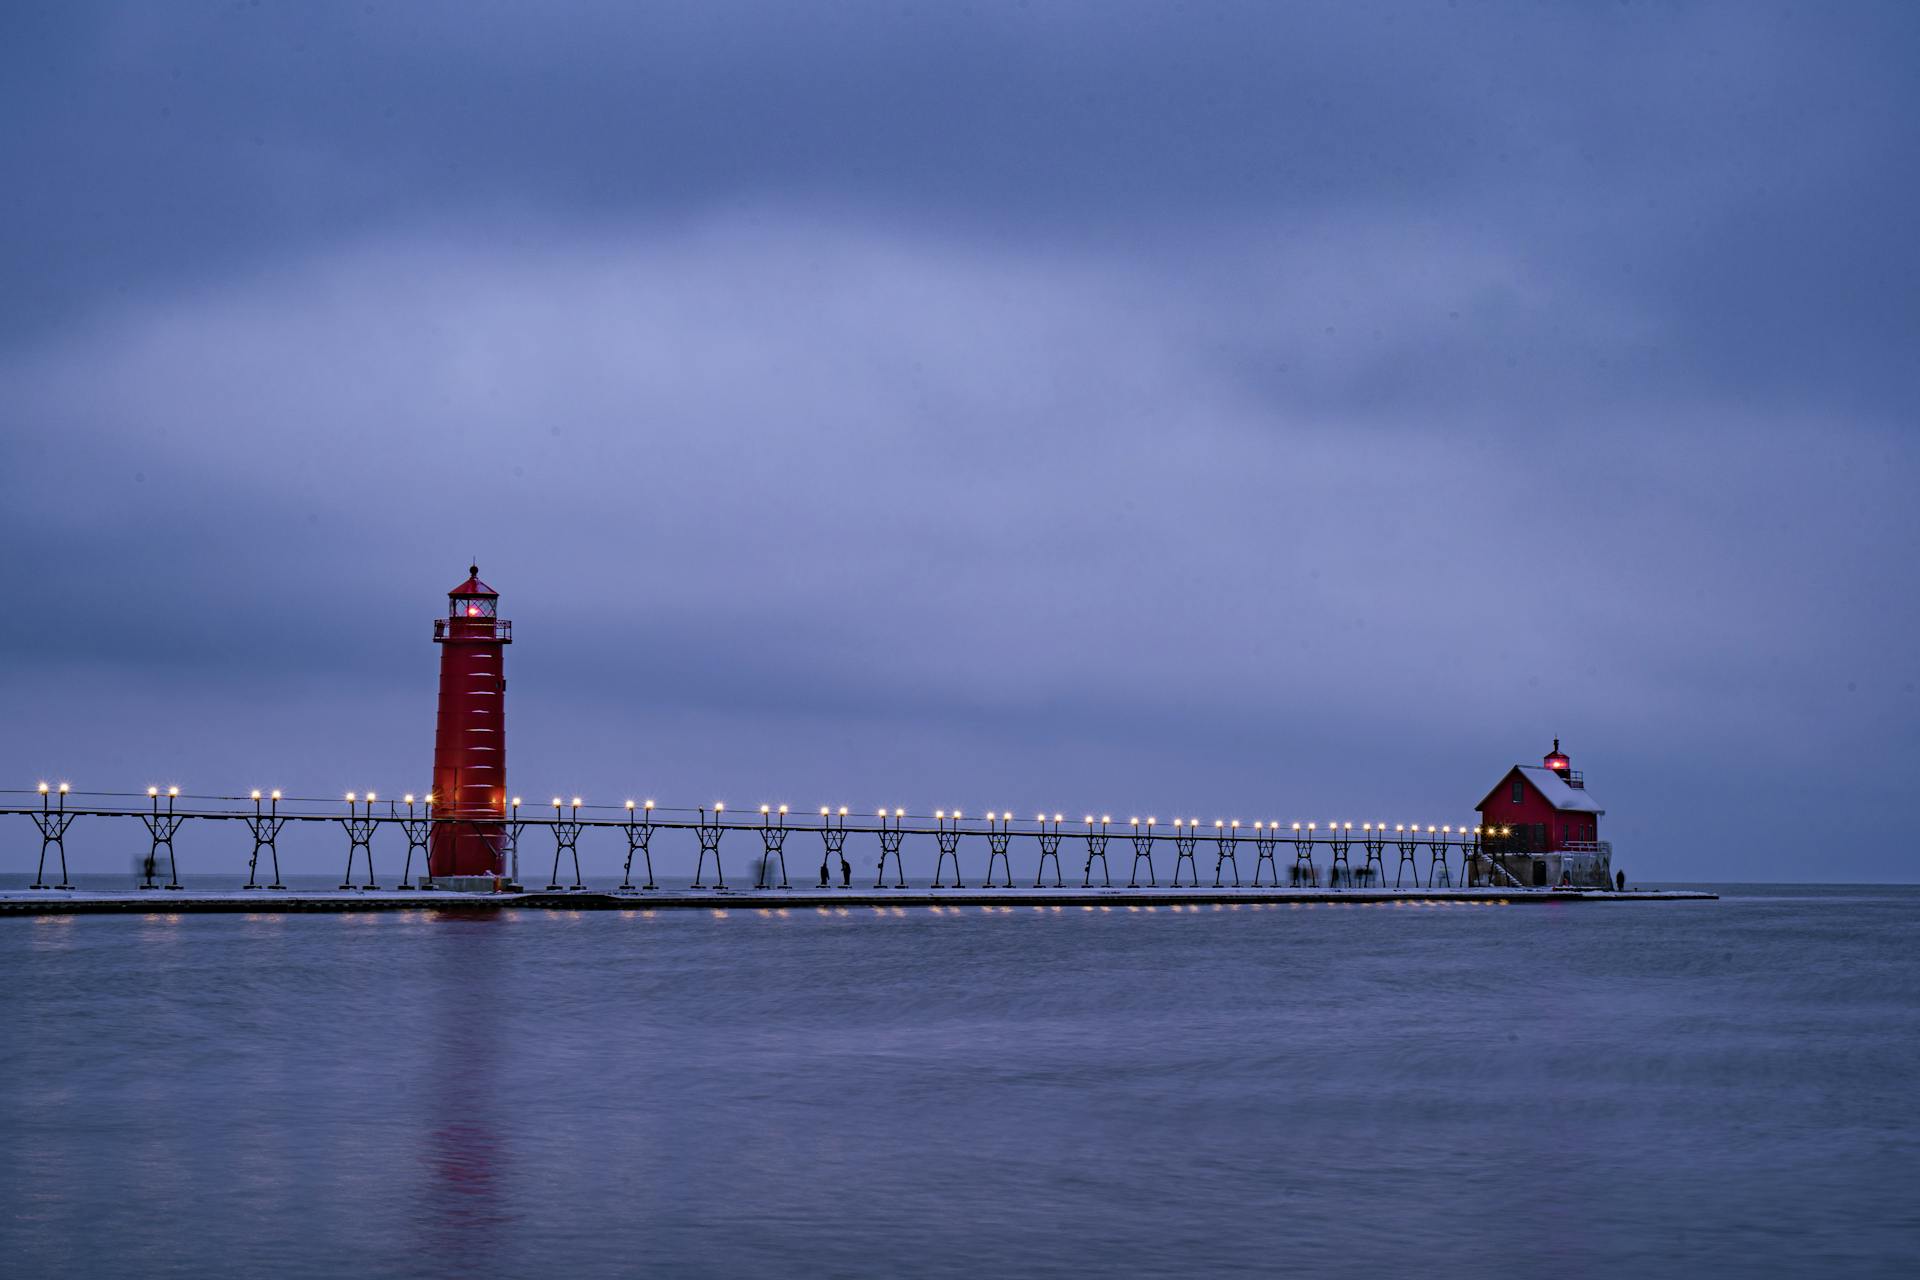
pixel 1543 827
pixel 470 740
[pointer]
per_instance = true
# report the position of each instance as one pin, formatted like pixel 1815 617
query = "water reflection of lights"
pixel 54 934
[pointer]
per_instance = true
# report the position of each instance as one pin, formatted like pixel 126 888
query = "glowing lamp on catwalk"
pixel 469 800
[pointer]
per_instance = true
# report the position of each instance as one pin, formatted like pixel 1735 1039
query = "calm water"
pixel 1663 1089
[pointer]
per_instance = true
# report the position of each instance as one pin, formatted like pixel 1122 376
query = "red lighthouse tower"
pixel 470 742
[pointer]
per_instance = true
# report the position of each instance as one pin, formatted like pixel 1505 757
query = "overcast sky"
pixel 1295 411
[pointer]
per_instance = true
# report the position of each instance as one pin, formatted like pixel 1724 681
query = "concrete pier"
pixel 18 902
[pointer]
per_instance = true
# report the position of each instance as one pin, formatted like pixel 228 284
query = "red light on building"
pixel 470 740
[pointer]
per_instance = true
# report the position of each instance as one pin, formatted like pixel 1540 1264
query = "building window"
pixel 1519 791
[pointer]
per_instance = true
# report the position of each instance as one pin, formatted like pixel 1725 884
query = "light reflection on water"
pixel 1661 1089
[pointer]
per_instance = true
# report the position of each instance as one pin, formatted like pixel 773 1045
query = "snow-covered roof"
pixel 1561 796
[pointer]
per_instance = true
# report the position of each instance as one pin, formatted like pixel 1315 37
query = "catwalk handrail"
pixel 751 820
pixel 502 629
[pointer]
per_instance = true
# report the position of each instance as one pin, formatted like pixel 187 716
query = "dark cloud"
pixel 1223 407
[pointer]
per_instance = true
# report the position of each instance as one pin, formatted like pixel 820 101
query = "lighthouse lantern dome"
pixel 1556 759
pixel 473 598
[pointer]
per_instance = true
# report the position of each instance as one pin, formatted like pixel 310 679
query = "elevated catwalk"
pixel 1299 855
pixel 163 902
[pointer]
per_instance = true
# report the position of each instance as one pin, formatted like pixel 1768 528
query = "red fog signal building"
pixel 1543 826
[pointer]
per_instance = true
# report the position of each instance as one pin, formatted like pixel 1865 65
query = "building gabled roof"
pixel 1565 798
pixel 473 586
pixel 1552 787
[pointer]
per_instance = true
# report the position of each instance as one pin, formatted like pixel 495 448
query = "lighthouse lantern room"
pixel 470 741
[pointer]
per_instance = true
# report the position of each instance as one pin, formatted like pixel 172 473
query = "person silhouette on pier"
pixel 824 879
pixel 1620 882
pixel 846 872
